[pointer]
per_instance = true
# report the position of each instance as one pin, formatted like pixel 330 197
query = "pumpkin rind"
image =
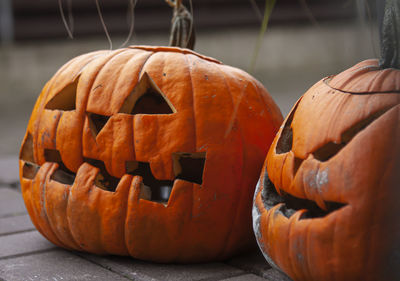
pixel 218 110
pixel 344 149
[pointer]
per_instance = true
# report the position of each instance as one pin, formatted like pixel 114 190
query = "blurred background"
pixel 305 41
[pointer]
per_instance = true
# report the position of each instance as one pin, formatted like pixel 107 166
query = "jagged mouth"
pixel 187 166
pixel 290 204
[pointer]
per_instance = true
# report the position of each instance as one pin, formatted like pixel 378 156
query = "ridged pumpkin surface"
pixel 109 121
pixel 327 203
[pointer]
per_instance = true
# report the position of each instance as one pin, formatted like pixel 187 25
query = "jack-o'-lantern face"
pixel 149 152
pixel 326 205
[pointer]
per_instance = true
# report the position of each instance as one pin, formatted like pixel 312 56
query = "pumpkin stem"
pixel 182 27
pixel 390 35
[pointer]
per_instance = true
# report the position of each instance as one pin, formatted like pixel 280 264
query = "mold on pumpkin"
pixel 127 152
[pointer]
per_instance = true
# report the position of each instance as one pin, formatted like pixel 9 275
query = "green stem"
pixel 390 35
pixel 269 5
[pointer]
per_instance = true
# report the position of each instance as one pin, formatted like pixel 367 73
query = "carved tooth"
pixel 145 192
pixel 278 190
pixel 321 203
pixel 165 192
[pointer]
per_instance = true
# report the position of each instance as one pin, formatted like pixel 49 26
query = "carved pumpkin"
pixel 152 152
pixel 327 204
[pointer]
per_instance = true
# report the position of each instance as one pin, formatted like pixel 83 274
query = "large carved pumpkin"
pixel 327 203
pixel 152 152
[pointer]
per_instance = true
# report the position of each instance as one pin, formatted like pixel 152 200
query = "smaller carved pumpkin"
pixel 327 203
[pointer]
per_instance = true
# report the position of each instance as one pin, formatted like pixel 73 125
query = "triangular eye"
pixel 97 122
pixel 330 149
pixel 26 152
pixel 147 98
pixel 66 99
pixel 285 140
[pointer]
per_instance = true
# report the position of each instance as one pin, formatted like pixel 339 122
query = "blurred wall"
pixel 41 18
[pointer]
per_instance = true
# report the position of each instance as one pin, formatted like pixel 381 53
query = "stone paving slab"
pixel 275 275
pixel 23 243
pixel 144 271
pixel 11 202
pixel 255 263
pixel 55 265
pixel 245 277
pixel 15 224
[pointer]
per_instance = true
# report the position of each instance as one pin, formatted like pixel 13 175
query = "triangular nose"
pixel 147 98
pixel 97 122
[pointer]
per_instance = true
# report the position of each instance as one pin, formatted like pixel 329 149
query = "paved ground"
pixel 26 255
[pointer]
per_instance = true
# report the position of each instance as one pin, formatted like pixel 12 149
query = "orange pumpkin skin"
pixel 81 127
pixel 339 148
